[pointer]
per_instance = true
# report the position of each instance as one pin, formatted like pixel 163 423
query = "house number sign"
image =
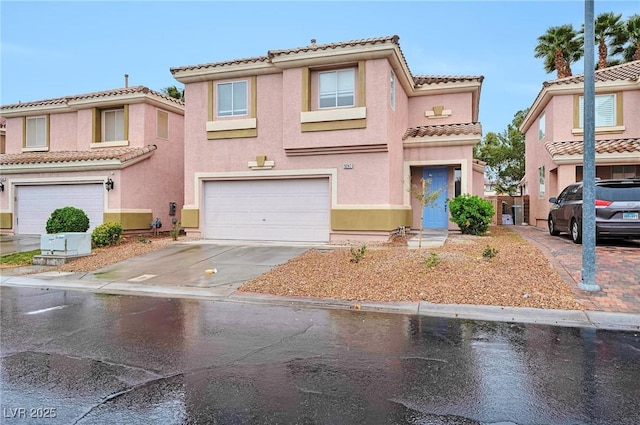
pixel 347 165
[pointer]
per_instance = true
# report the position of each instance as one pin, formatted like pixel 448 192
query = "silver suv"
pixel 617 210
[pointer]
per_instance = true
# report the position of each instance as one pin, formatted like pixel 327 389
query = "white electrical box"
pixel 65 244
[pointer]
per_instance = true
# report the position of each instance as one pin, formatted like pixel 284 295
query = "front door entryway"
pixel 436 216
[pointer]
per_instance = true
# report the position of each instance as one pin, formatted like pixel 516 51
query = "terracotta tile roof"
pixel 444 130
pixel 94 95
pixel 123 155
pixel 420 80
pixel 273 53
pixel 602 147
pixel 629 71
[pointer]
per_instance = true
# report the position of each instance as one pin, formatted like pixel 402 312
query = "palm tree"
pixel 560 47
pixel 174 92
pixel 608 27
pixel 631 38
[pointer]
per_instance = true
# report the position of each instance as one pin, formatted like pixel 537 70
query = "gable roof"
pixel 624 73
pixel 100 96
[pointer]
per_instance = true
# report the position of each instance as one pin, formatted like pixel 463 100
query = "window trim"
pixel 617 126
pixel 45 142
pixel 166 114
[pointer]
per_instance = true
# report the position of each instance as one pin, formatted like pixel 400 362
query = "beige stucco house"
pixel 116 154
pixel 554 135
pixel 322 143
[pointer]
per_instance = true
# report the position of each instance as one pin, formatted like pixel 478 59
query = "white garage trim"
pixel 35 203
pixel 296 210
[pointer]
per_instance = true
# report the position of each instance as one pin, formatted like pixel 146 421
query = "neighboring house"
pixel 116 154
pixel 321 143
pixel 554 134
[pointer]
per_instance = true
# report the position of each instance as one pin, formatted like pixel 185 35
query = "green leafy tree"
pixel 504 154
pixel 609 32
pixel 174 92
pixel 628 42
pixel 560 47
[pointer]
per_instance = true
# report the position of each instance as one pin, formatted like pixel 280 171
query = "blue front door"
pixel 436 216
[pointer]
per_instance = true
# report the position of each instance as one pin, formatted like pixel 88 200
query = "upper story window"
pixel 232 99
pixel 162 124
pixel 605 110
pixel 393 90
pixel 336 88
pixel 36 132
pixel 113 125
pixel 541 126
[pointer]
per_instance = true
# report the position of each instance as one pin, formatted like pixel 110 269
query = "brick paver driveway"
pixel 617 269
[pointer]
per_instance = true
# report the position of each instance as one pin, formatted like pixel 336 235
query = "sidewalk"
pixel 617 307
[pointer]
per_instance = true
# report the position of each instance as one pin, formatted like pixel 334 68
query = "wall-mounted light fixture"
pixel 1 187
pixel 108 184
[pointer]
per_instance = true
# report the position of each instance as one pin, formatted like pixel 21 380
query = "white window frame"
pixel 393 90
pixel 334 92
pixel 541 182
pixel 36 137
pixel 542 122
pixel 118 125
pixel 605 116
pixel 236 110
pixel 164 134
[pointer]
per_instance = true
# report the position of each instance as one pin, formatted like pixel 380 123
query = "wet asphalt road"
pixel 101 359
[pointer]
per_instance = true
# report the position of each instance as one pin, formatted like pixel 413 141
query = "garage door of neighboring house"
pixel 267 210
pixel 34 204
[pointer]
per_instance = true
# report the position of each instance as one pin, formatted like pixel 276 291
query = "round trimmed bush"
pixel 108 233
pixel 67 219
pixel 471 213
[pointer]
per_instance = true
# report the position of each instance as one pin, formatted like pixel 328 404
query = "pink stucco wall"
pixel 458 103
pixel 559 125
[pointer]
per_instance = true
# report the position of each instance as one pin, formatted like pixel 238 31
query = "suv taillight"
pixel 601 203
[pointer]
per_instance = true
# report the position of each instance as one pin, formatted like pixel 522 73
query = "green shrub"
pixel 108 233
pixel 357 254
pixel 471 213
pixel 489 252
pixel 67 219
pixel 432 260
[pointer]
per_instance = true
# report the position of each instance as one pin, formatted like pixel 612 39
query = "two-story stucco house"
pixel 322 143
pixel 554 134
pixel 116 154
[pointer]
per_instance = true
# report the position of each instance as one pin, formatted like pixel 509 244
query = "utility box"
pixel 65 244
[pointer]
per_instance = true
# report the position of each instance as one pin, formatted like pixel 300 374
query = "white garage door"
pixel 267 210
pixel 34 204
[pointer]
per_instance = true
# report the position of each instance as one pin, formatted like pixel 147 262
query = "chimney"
pixel 313 41
pixel 126 81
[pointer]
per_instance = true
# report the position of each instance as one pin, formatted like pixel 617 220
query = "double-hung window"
pixel 232 99
pixel 393 90
pixel 336 88
pixel 113 125
pixel 541 126
pixel 36 136
pixel 605 110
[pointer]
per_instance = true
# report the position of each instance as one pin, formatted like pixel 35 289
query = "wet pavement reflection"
pixel 80 358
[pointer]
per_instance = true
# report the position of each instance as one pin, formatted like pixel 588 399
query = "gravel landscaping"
pixel 500 268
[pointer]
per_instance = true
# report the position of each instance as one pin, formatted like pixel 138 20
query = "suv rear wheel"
pixel 576 231
pixel 552 227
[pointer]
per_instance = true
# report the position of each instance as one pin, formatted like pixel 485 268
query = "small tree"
pixel 426 197
pixel 471 213
pixel 67 219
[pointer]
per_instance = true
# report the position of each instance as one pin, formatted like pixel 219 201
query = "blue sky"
pixel 52 49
